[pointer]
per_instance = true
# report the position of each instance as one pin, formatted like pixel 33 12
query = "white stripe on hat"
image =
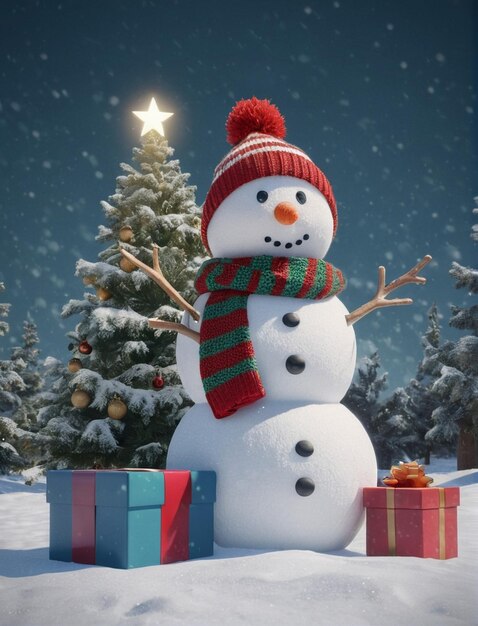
pixel 255 138
pixel 270 148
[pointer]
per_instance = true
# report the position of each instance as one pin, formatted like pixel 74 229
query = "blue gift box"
pixel 130 518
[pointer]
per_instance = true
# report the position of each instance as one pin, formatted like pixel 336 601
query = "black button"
pixel 291 320
pixel 304 448
pixel 262 196
pixel 305 486
pixel 295 364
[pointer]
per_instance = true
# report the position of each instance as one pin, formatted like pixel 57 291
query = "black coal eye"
pixel 301 197
pixel 262 196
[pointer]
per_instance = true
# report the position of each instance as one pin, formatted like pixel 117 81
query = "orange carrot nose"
pixel 286 213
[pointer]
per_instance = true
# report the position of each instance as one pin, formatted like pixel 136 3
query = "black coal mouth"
pixel 289 244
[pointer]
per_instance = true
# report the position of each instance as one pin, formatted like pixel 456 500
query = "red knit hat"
pixel 256 130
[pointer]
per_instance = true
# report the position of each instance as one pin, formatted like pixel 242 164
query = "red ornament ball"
pixel 158 382
pixel 85 348
pixel 254 116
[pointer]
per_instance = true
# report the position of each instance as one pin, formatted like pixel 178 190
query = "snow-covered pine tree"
pixel 4 309
pixel 25 359
pixel 388 423
pixel 420 389
pixel 456 417
pixel 123 378
pixel 393 434
pixel 362 398
pixel 11 384
pixel 53 399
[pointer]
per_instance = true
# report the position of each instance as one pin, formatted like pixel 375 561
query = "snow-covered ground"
pixel 236 586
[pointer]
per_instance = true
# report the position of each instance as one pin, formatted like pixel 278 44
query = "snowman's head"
pixel 275 215
pixel 267 196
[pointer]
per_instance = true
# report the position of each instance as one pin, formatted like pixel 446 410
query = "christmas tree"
pixel 121 398
pixel 456 417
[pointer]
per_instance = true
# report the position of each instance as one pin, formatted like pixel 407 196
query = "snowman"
pixel 268 351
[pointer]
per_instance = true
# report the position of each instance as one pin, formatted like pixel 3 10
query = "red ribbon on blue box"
pixel 130 518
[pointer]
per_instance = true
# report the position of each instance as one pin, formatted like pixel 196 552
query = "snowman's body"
pixel 254 455
pixel 254 451
pixel 290 467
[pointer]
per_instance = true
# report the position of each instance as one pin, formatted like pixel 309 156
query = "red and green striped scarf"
pixel 227 361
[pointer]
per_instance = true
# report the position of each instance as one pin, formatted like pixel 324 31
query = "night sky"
pixel 381 94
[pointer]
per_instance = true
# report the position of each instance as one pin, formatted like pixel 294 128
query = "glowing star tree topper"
pixel 153 118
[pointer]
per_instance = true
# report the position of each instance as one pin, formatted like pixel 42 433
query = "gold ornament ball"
pixel 127 265
pixel 74 365
pixel 117 409
pixel 126 233
pixel 103 294
pixel 80 399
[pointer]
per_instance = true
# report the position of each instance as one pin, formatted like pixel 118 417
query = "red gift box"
pixel 412 521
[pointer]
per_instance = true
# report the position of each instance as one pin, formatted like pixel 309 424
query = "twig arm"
pixel 156 265
pixel 157 275
pixel 380 298
pixel 410 277
pixel 175 327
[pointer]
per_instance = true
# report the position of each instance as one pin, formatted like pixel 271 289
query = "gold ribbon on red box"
pixel 441 523
pixel 391 531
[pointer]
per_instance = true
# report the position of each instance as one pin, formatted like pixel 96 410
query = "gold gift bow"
pixel 391 531
pixel 407 475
